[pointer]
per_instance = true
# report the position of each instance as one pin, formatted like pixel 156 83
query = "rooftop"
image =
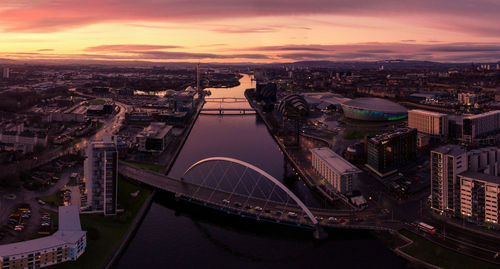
pixel 69 232
pixel 432 113
pixel 96 107
pixel 483 114
pixel 156 130
pixel 453 150
pixel 335 161
pixel 325 97
pixel 69 219
pixel 394 133
pixel 376 104
pixel 481 176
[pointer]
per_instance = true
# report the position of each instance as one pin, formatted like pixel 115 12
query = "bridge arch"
pixel 263 173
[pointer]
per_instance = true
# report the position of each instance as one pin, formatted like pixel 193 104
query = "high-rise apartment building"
pixel 101 176
pixel 480 196
pixel 428 122
pixel 446 163
pixel 451 166
pixel 386 153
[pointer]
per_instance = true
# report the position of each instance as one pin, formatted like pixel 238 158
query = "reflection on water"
pixel 175 235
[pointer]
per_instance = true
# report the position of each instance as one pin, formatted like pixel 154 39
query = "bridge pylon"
pixel 319 233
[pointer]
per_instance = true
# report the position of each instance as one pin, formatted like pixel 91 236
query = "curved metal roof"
pixel 375 104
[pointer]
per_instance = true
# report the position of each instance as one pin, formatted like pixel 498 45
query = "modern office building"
pixel 479 197
pixel 101 176
pixel 480 126
pixel 334 169
pixel 387 152
pixel 154 138
pixel 446 163
pixel 428 122
pixel 67 244
pixel 373 109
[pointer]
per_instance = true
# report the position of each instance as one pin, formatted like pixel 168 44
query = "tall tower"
pixel 101 175
pixel 198 77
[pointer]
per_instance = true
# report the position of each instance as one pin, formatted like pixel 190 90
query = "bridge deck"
pixel 241 204
pixel 227 109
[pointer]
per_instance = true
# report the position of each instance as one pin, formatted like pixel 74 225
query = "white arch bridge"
pixel 239 188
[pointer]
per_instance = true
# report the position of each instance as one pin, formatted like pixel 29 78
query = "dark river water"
pixel 178 235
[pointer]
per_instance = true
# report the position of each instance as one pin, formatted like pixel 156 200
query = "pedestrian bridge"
pixel 227 106
pixel 228 111
pixel 226 99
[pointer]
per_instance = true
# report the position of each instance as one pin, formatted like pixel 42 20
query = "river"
pixel 174 235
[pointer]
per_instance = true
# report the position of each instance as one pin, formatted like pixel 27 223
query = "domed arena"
pixel 373 109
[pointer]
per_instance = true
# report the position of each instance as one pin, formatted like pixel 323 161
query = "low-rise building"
pixel 67 244
pixel 480 126
pixel 334 169
pixel 24 141
pixel 138 118
pixel 154 138
pixel 64 117
pixel 428 122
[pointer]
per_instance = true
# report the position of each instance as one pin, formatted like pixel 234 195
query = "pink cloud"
pixel 49 15
pixel 127 47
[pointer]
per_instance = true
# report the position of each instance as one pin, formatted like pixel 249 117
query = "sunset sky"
pixel 251 31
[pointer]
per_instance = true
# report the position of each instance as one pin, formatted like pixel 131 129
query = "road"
pixel 30 197
pixel 246 205
pixel 111 125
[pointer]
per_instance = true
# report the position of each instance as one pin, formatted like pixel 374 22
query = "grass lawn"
pixel 357 134
pixel 53 199
pixel 427 251
pixel 72 182
pixel 99 125
pixel 108 231
pixel 150 166
pixel 96 102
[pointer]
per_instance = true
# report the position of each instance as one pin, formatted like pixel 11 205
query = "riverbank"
pixel 112 259
pixel 313 185
pixel 105 235
pixel 131 231
pixel 184 137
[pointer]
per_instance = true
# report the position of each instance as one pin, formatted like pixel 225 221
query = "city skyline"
pixel 251 31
